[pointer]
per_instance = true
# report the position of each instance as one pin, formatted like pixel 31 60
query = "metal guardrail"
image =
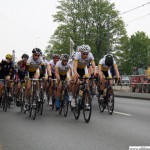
pixel 143 82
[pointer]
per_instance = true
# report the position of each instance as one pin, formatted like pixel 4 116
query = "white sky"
pixel 25 24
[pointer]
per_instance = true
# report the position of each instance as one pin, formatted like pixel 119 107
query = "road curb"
pixel 140 96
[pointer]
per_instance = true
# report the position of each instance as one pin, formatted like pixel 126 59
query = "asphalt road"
pixel 128 126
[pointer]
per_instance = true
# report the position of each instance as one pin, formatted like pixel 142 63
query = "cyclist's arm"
pixel 57 73
pixel 93 66
pixel 100 70
pixel 116 70
pixel 49 70
pixel 75 67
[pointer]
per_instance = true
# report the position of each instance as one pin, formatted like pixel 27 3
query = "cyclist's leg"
pixel 28 90
pixel 75 85
pixel 37 76
pixel 51 89
pixel 1 88
pixel 58 92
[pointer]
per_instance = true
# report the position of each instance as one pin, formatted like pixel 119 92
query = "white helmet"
pixel 64 57
pixel 85 48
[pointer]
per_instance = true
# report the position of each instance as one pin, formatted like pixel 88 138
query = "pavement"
pixel 124 91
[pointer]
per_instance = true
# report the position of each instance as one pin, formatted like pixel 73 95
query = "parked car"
pixel 125 80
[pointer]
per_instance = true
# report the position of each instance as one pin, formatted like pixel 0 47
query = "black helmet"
pixel 109 60
pixel 25 56
pixel 37 51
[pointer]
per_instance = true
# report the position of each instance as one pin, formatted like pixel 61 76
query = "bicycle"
pixel 53 93
pixel 64 99
pixel 41 95
pixel 22 95
pixel 108 98
pixel 5 96
pixel 83 100
pixel 33 104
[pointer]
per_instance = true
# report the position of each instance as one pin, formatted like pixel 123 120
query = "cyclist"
pixel 82 59
pixel 33 68
pixel 70 62
pixel 52 63
pixel 104 68
pixel 45 74
pixel 6 72
pixel 62 72
pixel 20 72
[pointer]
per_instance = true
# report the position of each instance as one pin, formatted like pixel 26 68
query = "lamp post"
pixel 71 45
pixel 108 35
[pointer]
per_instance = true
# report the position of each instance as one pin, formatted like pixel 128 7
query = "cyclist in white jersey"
pixel 104 67
pixel 82 59
pixel 32 66
pixel 52 63
pixel 62 72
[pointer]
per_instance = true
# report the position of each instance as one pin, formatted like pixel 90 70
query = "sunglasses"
pixel 85 53
pixel 37 55
pixel 65 60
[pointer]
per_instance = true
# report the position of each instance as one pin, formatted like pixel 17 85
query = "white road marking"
pixel 120 113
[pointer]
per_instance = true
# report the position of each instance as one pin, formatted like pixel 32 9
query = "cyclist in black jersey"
pixel 6 72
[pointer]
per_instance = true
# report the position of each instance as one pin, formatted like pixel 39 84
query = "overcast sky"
pixel 25 24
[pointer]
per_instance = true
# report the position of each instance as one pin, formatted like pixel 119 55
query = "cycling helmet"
pixel 64 57
pixel 25 56
pixel 73 55
pixel 37 51
pixel 56 56
pixel 109 60
pixel 8 56
pixel 85 48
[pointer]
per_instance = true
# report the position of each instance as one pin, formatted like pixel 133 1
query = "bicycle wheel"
pixel 4 104
pixel 87 106
pixel 33 114
pixel 77 106
pixel 22 100
pixel 4 101
pixel 101 103
pixel 53 101
pixel 33 107
pixel 61 105
pixel 110 100
pixel 40 105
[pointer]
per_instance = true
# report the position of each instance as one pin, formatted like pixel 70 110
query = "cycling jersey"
pixel 34 64
pixel 106 68
pixel 46 63
pixel 82 63
pixel 6 68
pixel 21 67
pixel 52 66
pixel 62 70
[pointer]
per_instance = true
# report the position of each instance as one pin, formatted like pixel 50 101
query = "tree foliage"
pixel 135 52
pixel 92 22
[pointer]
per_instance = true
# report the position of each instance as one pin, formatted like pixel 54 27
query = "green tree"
pixel 139 48
pixel 92 22
pixel 135 51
